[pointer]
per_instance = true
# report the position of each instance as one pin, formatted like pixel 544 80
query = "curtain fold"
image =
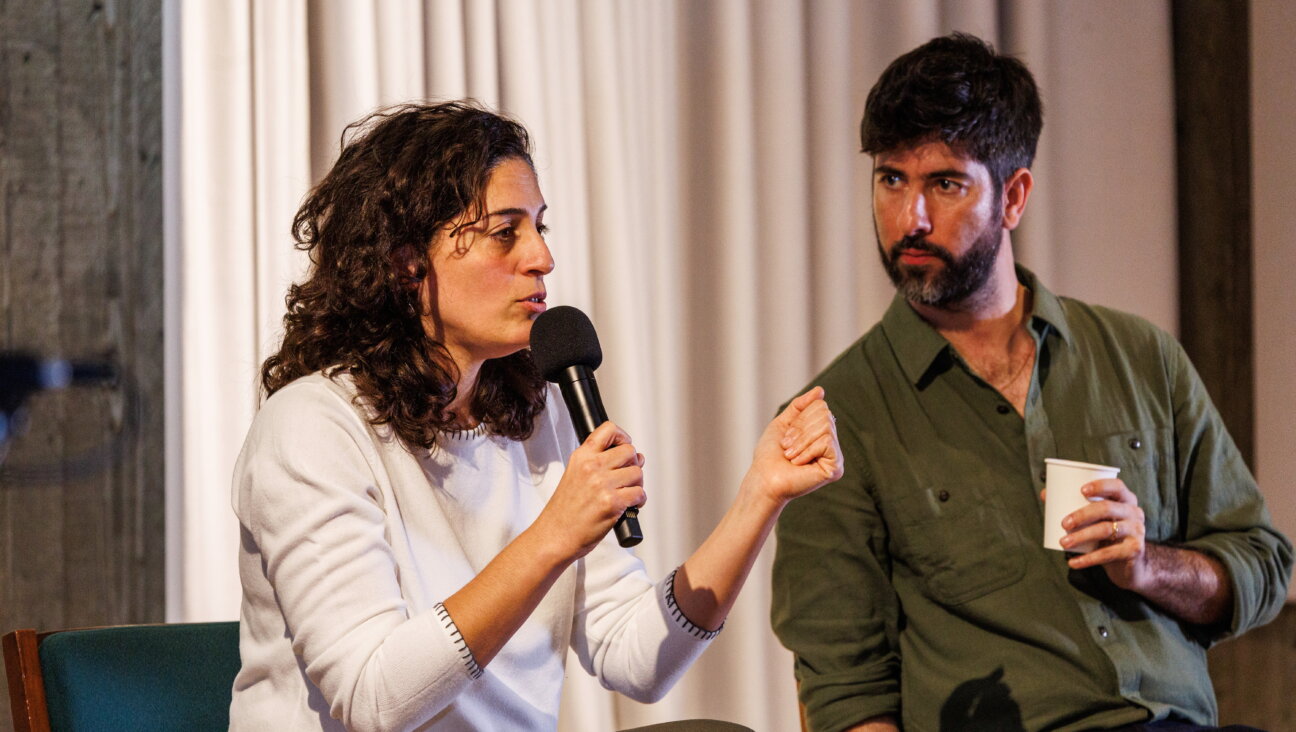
pixel 218 319
pixel 709 209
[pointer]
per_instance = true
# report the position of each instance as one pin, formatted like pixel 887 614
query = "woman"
pixel 414 553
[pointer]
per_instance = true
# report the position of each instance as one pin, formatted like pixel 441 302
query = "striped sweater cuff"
pixel 692 628
pixel 465 653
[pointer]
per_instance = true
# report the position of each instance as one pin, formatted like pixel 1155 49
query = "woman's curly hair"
pixel 404 173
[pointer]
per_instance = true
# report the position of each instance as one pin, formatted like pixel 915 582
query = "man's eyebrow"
pixel 934 175
pixel 948 173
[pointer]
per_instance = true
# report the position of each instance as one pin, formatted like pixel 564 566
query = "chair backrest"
pixel 128 677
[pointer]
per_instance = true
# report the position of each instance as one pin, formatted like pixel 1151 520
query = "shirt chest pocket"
pixel 955 540
pixel 1144 458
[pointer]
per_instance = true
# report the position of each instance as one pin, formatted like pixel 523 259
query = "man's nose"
pixel 913 217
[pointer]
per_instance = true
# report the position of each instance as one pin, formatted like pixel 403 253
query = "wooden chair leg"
pixel 805 727
pixel 26 685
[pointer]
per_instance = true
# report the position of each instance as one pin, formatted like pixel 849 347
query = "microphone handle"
pixel 580 392
pixel 627 528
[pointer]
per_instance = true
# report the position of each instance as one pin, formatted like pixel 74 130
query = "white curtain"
pixel 709 209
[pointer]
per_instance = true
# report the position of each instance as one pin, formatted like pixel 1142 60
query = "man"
pixel 915 592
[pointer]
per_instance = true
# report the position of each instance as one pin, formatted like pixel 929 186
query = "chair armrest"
pixel 26 685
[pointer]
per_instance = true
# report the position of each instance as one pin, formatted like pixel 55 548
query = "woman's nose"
pixel 539 259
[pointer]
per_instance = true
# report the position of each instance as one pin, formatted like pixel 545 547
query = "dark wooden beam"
pixel 1212 64
pixel 1252 674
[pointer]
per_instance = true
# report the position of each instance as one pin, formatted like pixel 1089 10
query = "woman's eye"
pixel 542 229
pixel 506 234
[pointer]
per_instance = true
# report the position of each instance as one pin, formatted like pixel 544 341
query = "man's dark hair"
pixel 404 174
pixel 955 89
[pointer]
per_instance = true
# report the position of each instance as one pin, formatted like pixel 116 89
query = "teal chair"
pixel 128 677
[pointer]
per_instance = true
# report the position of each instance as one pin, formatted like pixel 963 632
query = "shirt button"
pixel 1002 409
pixel 1135 443
pixel 943 496
pixel 1102 630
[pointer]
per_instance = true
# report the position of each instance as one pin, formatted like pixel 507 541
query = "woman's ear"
pixel 411 267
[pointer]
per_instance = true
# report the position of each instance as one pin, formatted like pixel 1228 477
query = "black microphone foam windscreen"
pixel 563 336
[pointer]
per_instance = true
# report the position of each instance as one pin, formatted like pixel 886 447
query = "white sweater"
pixel 349 544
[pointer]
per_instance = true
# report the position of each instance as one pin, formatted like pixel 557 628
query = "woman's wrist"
pixel 545 550
pixel 755 494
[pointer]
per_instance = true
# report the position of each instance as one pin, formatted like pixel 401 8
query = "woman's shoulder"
pixel 315 392
pixel 311 404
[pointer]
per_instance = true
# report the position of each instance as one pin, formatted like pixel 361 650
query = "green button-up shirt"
pixel 917 585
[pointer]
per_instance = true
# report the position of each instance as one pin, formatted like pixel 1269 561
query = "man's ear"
pixel 1016 191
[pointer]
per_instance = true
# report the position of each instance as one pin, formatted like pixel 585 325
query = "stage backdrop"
pixel 709 209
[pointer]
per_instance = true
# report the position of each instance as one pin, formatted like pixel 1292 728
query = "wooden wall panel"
pixel 81 276
pixel 1255 675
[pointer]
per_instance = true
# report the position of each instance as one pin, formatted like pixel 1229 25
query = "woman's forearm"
pixel 797 453
pixel 708 582
pixel 494 604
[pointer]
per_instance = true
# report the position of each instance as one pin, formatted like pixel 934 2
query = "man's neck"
pixel 991 336
pixel 990 316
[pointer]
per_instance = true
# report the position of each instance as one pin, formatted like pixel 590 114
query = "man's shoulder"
pixel 1088 321
pixel 853 373
pixel 855 359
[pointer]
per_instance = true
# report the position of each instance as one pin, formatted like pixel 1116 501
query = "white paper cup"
pixel 1063 479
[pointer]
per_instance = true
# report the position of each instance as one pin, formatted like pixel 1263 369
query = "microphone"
pixel 565 349
pixel 23 374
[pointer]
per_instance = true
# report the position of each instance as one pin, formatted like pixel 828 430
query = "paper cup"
pixel 1063 479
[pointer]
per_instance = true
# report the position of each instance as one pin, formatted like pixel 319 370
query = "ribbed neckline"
pixel 475 432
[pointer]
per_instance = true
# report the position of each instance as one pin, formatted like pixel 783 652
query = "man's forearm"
pixel 1188 584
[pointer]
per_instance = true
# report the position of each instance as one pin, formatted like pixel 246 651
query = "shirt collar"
pixel 1046 309
pixel 918 346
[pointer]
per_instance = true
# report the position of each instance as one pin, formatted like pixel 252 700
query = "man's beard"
pixel 960 280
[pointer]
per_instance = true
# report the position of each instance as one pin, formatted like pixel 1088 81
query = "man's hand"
pixel 1117 524
pixel 1188 584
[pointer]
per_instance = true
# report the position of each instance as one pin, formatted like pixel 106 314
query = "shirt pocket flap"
pixel 1143 457
pixel 955 540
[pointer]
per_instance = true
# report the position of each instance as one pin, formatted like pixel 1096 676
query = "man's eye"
pixel 889 180
pixel 948 185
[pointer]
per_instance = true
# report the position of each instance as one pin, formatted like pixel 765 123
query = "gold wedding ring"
pixel 1115 531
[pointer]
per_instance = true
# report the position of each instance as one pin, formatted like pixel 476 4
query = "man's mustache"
pixel 920 244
